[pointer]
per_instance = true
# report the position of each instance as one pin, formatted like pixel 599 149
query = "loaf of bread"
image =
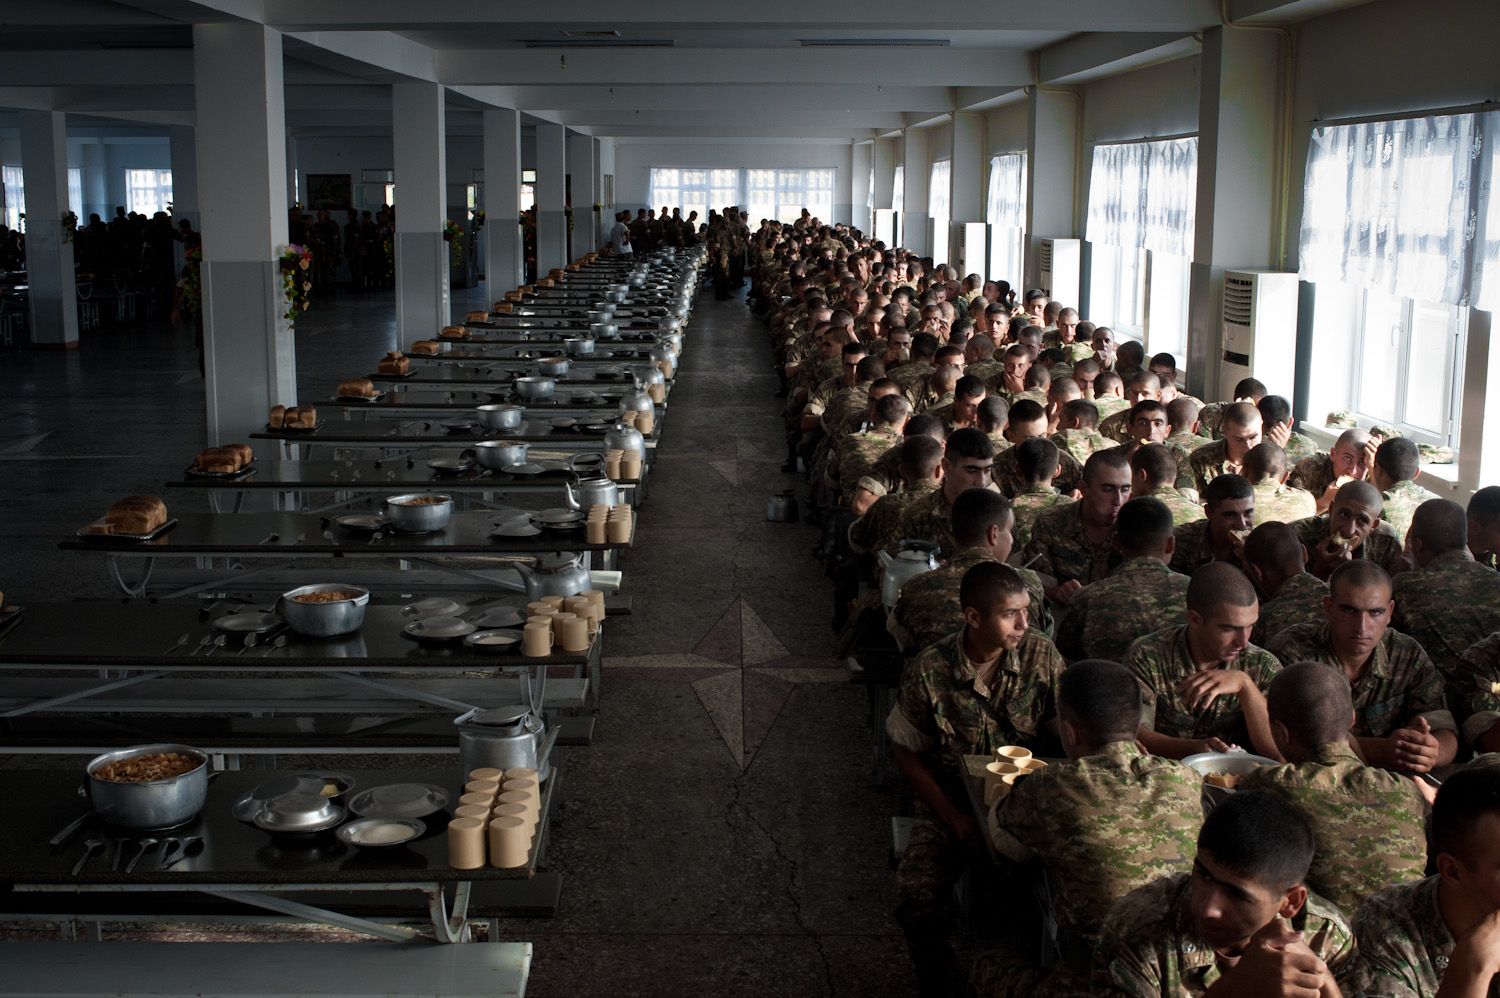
pixel 221 460
pixel 278 417
pixel 426 347
pixel 555 273
pixel 454 333
pixel 136 515
pixel 393 363
pixel 357 388
pixel 477 317
pixel 545 282
pixel 291 418
pixel 243 452
pixel 307 417
pixel 511 296
pixel 504 307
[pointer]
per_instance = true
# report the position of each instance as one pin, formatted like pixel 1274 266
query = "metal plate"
pixel 459 425
pixel 498 616
pixel 296 429
pixel 515 469
pixel 450 465
pixel 563 422
pixel 248 806
pixel 322 777
pixel 557 517
pixel 351 832
pixel 399 800
pixel 333 820
pixel 256 622
pixel 516 528
pixel 436 606
pixel 496 642
pixel 192 471
pixel 84 532
pixel 435 629
pixel 364 398
pixel 360 521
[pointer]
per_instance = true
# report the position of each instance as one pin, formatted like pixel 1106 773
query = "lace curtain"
pixel 1005 205
pixel 1144 195
pixel 1396 205
pixel 898 192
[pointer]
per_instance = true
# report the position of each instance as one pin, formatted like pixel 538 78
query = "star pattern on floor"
pixel 742 673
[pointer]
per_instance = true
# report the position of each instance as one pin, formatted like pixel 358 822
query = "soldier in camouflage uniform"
pixel 924 347
pixel 1229 509
pixel 1027 420
pixel 1108 821
pixel 982 687
pixel 858 452
pixel 1141 596
pixel 1077 433
pixel 1252 854
pixel 1400 716
pixel 1351 530
pixel 920 464
pixel 1109 394
pixel 991 417
pixel 979 359
pixel 1241 431
pixel 1204 681
pixel 1450 602
pixel 1265 470
pixel 1037 464
pixel 1437 934
pixel 1153 469
pixel 1275 562
pixel 1392 471
pixel 1143 386
pixel 967 462
pixel 1073 543
pixel 1348 458
pixel 928 608
pixel 1367 821
pixel 1276 420
pixel 1479 694
pixel 968 392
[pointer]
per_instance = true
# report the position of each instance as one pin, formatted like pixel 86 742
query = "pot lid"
pixel 501 717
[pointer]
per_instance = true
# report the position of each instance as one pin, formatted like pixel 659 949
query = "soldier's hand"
pixel 1371 445
pixel 1476 958
pixel 1278 962
pixel 967 829
pixel 1326 499
pixel 1427 790
pixel 1201 688
pixel 1327 556
pixel 1063 591
pixel 1279 434
pixel 1415 748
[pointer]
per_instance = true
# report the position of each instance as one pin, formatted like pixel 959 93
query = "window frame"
pixel 1456 344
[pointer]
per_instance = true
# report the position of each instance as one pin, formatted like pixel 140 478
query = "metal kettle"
pixel 622 437
pixel 912 558
pixel 555 574
pixel 509 737
pixel 782 507
pixel 591 491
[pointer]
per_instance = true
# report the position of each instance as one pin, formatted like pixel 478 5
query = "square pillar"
pixel 916 177
pixel 1052 176
pixel 861 156
pixel 883 152
pixel 551 222
pixel 504 256
pixel 184 153
pixel 583 176
pixel 49 258
pixel 422 256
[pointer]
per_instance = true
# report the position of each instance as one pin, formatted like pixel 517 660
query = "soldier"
pixel 1072 543
pixel 1153 470
pixel 1037 466
pixel 1107 821
pixel 1204 681
pixel 1061 390
pixel 1077 432
pixel 1211 416
pixel 1351 530
pixel 924 347
pixel 1347 460
pixel 1103 342
pixel 1391 472
pixel 1141 596
pixel 1265 470
pixel 858 452
pixel 1229 510
pixel 992 417
pixel 1484 525
pixel 1143 386
pixel 1130 360
pixel 1276 563
pixel 967 463
pixel 1450 602
pixel 1148 423
pixel 1182 416
pixel 1225 456
pixel 1436 936
pixel 1478 694
pixel 1109 393
pixel 928 609
pixel 1227 928
pixel 1277 421
pixel 987 685
pixel 887 468
pixel 1065 333
pixel 968 392
pixel 919 469
pixel 1025 421
pixel 979 358
pixel 1011 382
pixel 1401 721
pixel 1086 372
pixel 1367 822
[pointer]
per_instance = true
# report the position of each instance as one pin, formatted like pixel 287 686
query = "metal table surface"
pixel 241 862
pixel 404 439
pixel 456 402
pixel 452 377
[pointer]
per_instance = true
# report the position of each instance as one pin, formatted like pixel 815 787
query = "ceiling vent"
pixel 911 43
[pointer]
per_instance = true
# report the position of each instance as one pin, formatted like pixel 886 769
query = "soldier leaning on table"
pixel 987 685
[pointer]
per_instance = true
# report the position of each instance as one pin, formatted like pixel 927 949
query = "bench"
pixel 151 970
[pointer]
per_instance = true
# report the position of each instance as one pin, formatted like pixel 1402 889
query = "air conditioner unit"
pixel 971 243
pixel 1060 269
pixel 1260 330
pixel 885 226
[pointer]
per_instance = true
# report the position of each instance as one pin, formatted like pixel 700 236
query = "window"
pixel 148 191
pixel 779 194
pixel 1005 211
pixel 870 192
pixel 898 190
pixel 1117 291
pixel 1167 305
pixel 528 196
pixel 939 207
pixel 75 191
pixel 15 195
pixel 693 190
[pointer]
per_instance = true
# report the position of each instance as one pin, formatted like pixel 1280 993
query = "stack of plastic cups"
pixel 466 832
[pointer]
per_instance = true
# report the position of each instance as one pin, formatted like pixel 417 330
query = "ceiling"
pixel 649 68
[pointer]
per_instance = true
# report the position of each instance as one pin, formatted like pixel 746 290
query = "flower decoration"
pixel 453 234
pixel 295 289
pixel 192 281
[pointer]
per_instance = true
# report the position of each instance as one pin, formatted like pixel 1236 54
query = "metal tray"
pixel 296 429
pixel 399 800
pixel 255 622
pixel 192 471
pixel 84 532
pixel 366 398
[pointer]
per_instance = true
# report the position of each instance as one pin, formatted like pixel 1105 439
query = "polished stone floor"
pixel 724 834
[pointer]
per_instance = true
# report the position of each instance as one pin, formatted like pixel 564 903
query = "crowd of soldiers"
pixel 1129 577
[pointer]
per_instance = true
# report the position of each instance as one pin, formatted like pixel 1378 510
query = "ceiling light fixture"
pixel 818 43
pixel 599 43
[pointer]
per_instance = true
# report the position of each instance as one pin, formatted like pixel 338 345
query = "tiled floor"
pixel 723 835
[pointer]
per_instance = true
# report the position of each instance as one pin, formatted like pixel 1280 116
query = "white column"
pixel 966 188
pixel 250 356
pixel 916 177
pixel 606 220
pixel 184 155
pixel 581 178
pixel 859 186
pixel 551 223
pixel 293 192
pixel 1052 174
pixel 422 257
pixel 49 258
pixel 884 152
pixel 504 258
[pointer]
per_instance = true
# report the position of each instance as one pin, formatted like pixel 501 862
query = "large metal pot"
pixel 618 297
pixel 418 512
pixel 497 455
pixel 604 310
pixel 535 387
pixel 153 804
pixel 553 367
pixel 604 330
pixel 579 346
pixel 501 417
pixel 325 619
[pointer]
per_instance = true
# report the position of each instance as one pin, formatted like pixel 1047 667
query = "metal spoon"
pixel 219 642
pixel 183 846
pixel 141 847
pixel 118 854
pixel 299 540
pixel 206 640
pixel 250 640
pixel 276 645
pixel 179 643
pixel 90 847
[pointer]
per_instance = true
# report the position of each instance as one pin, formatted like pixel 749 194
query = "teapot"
pixel 622 437
pixel 595 489
pixel 912 558
pixel 509 737
pixel 555 574
pixel 638 400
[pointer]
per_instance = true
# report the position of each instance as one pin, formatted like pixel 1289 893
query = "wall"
pixel 1006 128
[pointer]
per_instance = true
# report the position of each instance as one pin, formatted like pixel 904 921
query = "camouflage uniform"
pixel 868 533
pixel 1103 825
pixel 887 467
pixel 1117 427
pixel 1007 473
pixel 1108 405
pixel 845 405
pixel 1298 601
pixel 909 374
pixel 928 608
pixel 1161 660
pixel 1027 505
pixel 1399 684
pixel 1282 504
pixel 1479 687
pixel 1367 822
pixel 1404 943
pixel 1211 419
pixel 920 393
pixel 857 454
pixel 1313 474
pixel 1195 548
pixel 1401 502
pixel 1187 441
pixel 929 518
pixel 1184 510
pixel 985 370
pixel 1147 948
pixel 1065 550
pixel 1209 462
pixel 1382 546
pixel 1299 448
pixel 998 441
pixel 1081 443
pixel 1105 617
pixel 944 414
pixel 1448 606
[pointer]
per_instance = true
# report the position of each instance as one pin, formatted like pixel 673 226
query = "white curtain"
pixel 1487 209
pixel 1394 205
pixel 1005 204
pixel 898 192
pixel 1144 195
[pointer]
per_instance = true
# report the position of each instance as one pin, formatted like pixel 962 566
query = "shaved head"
pixel 1359 492
pixel 1441 525
pixel 1219 584
pixel 1274 547
pixel 1313 701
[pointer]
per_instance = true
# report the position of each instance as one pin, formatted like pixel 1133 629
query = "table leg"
pixel 308 913
pixel 136 589
pixel 452 925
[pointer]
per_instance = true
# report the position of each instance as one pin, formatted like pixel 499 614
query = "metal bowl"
pixel 152 804
pixel 535 387
pixel 299 813
pixel 617 297
pixel 363 832
pixel 579 346
pixel 605 330
pixel 324 620
pixel 1237 763
pixel 498 455
pixel 409 515
pixel 500 417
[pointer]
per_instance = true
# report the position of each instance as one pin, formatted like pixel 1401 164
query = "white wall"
pixel 634 159
pixel 1006 129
